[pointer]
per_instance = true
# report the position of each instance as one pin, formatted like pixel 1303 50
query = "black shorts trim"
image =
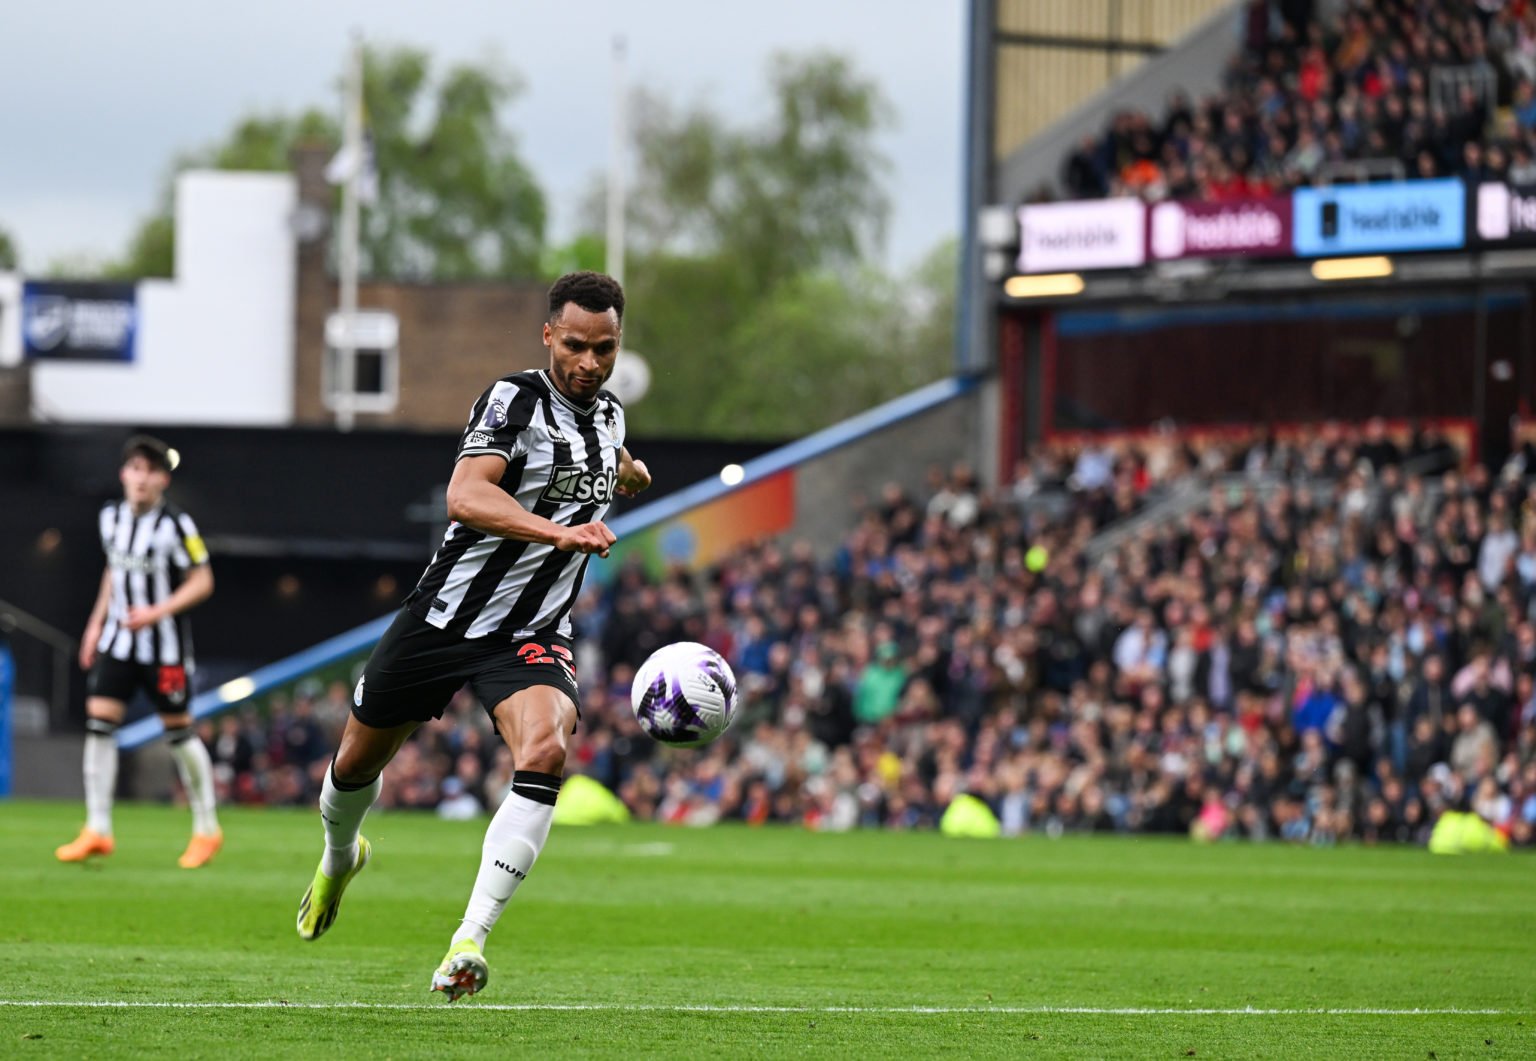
pixel 168 686
pixel 416 668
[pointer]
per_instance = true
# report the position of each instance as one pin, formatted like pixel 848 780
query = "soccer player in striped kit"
pixel 538 464
pixel 139 639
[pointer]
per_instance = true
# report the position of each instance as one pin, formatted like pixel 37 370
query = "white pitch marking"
pixel 583 1007
pixel 655 850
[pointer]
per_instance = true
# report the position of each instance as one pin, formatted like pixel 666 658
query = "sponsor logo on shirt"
pixel 574 482
pixel 127 562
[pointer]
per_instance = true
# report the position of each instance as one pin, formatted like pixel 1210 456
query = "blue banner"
pixel 7 690
pixel 1373 218
pixel 85 321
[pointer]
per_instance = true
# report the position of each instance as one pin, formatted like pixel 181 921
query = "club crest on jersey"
pixel 574 482
pixel 495 415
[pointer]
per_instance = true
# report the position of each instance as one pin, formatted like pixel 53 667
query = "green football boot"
pixel 463 971
pixel 322 901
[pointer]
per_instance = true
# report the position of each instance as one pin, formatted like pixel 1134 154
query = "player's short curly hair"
pixel 593 292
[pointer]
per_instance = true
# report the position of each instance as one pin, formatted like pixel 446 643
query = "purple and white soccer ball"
pixel 684 695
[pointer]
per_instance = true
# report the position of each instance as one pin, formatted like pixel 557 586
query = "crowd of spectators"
pixel 1337 643
pixel 1333 92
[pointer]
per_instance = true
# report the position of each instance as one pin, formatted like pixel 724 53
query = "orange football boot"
pixel 201 850
pixel 82 847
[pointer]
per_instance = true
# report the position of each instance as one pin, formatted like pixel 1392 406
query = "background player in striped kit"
pixel 138 638
pixel 538 464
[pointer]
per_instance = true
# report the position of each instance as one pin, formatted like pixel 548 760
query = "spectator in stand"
pixel 1083 173
pixel 1525 106
pixel 880 685
pixel 299 735
pixel 1475 749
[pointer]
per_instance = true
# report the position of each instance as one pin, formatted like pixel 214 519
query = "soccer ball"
pixel 684 695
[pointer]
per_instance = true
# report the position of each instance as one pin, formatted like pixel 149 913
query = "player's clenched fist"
pixel 634 476
pixel 592 537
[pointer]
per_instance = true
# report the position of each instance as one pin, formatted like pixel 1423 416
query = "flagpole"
pixel 616 190
pixel 346 255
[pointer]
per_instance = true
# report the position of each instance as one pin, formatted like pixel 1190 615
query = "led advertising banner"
pixel 78 321
pixel 1375 218
pixel 1258 227
pixel 1097 234
pixel 1505 215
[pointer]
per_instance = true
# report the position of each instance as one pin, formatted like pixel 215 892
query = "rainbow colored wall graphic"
pixel 706 534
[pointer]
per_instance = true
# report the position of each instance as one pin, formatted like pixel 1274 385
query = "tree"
pixel 756 301
pixel 817 348
pixel 930 306
pixel 585 251
pixel 8 255
pixel 151 251
pixel 800 192
pixel 455 199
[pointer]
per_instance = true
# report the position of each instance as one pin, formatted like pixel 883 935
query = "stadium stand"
pixel 1315 634
pixel 1324 93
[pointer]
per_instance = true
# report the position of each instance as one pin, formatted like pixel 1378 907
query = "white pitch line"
pixel 619 1007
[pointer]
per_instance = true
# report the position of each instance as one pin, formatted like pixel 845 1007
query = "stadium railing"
pixel 58 646
pixel 1355 170
pixel 359 639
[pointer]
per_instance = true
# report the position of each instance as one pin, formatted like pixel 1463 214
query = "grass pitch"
pixel 728 942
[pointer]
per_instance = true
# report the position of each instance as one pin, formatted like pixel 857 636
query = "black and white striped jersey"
pixel 562 464
pixel 148 557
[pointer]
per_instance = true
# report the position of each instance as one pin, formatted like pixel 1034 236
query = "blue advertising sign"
pixel 7 688
pixel 78 321
pixel 1371 218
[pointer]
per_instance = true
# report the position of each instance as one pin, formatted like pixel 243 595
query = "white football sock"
pixel 196 770
pixel 513 841
pixel 100 773
pixel 343 810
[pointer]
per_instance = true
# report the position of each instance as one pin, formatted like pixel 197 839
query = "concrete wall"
pixel 48 767
pixel 829 488
pixel 215 345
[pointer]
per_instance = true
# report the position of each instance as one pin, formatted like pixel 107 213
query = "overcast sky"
pixel 100 95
